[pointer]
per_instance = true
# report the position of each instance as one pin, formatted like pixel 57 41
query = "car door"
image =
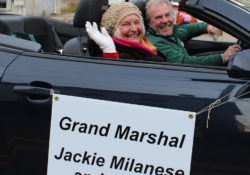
pixel 30 79
pixel 5 161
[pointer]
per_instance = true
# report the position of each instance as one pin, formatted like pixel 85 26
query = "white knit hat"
pixel 116 12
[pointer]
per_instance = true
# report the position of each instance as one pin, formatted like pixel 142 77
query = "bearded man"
pixel 169 38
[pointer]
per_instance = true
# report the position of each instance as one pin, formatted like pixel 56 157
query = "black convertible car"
pixel 64 59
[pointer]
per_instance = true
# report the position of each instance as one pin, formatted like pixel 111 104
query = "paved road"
pixel 225 38
pixel 68 17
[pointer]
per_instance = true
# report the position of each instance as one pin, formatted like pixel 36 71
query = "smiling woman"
pixel 130 28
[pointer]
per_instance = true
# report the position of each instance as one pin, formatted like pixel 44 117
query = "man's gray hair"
pixel 153 2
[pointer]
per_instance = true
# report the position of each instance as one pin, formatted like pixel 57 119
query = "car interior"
pixel 43 32
pixel 12 35
pixel 38 30
pixel 87 11
pixel 16 43
pixel 4 28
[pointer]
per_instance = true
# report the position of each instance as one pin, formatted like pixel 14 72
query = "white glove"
pixel 103 39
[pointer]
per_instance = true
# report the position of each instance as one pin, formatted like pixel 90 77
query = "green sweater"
pixel 175 52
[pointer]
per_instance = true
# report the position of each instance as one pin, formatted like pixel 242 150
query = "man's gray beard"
pixel 167 35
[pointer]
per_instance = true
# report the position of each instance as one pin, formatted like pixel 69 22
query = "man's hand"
pixel 230 50
pixel 213 32
pixel 103 39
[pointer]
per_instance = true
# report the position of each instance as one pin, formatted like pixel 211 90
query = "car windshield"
pixel 245 4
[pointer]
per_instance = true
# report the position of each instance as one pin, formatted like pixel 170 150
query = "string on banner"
pixel 219 102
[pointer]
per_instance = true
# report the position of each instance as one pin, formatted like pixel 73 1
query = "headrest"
pixel 4 28
pixel 141 4
pixel 35 25
pixel 89 10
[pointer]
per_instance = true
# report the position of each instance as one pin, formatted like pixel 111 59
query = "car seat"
pixel 141 4
pixel 87 10
pixel 4 28
pixel 41 31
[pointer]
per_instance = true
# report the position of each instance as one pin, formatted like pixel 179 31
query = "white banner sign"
pixel 95 137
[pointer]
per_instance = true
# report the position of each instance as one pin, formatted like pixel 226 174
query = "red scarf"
pixel 145 44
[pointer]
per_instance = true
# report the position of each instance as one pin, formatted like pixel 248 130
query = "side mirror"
pixel 239 65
